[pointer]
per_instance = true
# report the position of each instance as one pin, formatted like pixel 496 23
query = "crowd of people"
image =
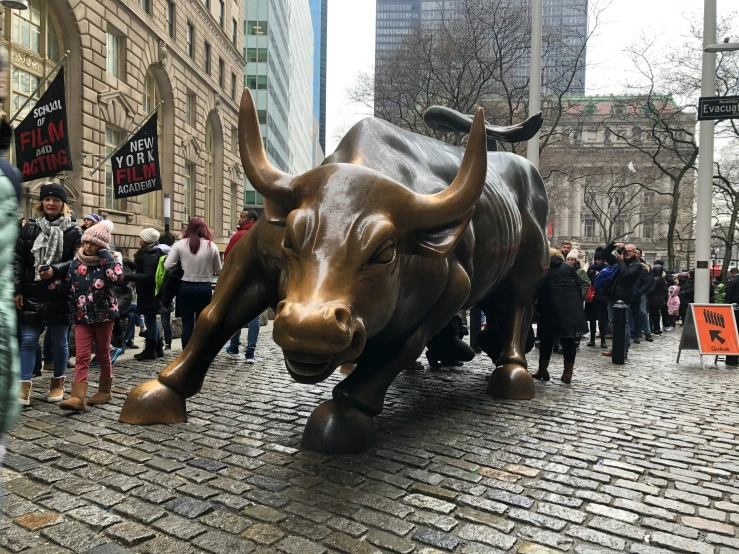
pixel 73 288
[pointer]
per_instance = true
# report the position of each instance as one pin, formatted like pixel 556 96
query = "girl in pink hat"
pixel 94 308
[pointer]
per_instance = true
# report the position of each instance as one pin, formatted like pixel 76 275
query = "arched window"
pixel 152 202
pixel 34 34
pixel 210 163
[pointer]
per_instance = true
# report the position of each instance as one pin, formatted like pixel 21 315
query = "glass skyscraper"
pixel 395 20
pixel 319 14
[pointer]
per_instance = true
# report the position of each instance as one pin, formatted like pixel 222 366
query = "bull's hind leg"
pixel 344 424
pixel 241 295
pixel 511 378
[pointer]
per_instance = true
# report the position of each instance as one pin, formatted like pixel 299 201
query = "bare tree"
pixel 726 202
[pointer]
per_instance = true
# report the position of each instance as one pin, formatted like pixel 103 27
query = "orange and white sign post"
pixel 711 329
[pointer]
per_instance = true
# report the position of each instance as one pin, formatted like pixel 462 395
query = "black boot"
pixel 131 345
pixel 149 353
pixel 160 349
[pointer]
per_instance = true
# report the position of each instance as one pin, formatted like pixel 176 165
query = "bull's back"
pixel 427 166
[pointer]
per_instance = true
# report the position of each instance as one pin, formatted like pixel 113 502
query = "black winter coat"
pixel 593 270
pixel 643 284
pixel 628 274
pixel 147 262
pixel 560 301
pixel 657 297
pixel 732 291
pixel 44 302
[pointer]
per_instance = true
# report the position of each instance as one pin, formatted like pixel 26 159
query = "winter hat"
pixel 149 235
pixel 99 234
pixel 53 189
pixel 93 217
pixel 573 254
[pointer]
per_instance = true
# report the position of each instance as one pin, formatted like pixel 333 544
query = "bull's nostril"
pixel 280 307
pixel 343 316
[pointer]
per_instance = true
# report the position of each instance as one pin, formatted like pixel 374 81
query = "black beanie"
pixel 55 190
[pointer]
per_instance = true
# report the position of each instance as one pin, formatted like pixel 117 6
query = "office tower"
pixel 319 14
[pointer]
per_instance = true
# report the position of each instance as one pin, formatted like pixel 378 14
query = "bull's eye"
pixel 385 254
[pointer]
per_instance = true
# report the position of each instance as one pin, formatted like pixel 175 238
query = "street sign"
pixel 710 329
pixel 718 107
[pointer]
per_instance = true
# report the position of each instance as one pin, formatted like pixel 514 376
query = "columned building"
pixel 127 56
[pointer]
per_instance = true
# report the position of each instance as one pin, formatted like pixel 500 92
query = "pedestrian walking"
pixel 657 298
pixel 247 220
pixel 148 305
pixel 90 282
pixel 629 270
pixel 44 249
pixel 200 260
pixel 561 316
pixel 673 306
pixel 597 310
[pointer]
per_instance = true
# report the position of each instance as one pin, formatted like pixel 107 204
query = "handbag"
pixel 590 296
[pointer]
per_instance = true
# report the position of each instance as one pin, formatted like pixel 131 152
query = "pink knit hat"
pixel 99 234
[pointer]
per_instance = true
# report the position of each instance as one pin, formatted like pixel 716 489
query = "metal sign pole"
pixel 115 150
pixel 38 88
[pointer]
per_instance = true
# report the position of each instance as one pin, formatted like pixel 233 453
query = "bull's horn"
pixel 434 210
pixel 268 181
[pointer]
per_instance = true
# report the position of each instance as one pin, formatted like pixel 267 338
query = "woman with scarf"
pixel 148 305
pixel 44 249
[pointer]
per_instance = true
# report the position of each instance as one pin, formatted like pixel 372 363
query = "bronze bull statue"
pixel 365 259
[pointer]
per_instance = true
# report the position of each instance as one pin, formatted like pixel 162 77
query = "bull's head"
pixel 346 229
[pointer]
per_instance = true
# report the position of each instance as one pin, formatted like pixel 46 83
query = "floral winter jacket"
pixel 91 295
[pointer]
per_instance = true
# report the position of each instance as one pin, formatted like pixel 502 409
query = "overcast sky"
pixel 351 48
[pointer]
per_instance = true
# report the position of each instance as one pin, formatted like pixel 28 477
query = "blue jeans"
pixel 639 317
pixel 251 339
pixel 192 298
pixel 166 317
pixel 627 338
pixel 152 327
pixel 29 343
pixel 134 320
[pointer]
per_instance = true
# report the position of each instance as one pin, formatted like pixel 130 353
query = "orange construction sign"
pixel 716 329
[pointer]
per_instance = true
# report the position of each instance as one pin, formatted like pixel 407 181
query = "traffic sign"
pixel 711 329
pixel 718 107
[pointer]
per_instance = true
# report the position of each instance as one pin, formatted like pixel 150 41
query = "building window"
pixel 221 14
pixel 190 109
pixel 262 114
pixel 589 228
pixel 235 209
pixel 256 28
pixel 112 140
pixel 152 203
pixel 221 70
pixel 256 82
pixel 113 57
pixel 234 140
pixel 256 54
pixel 233 86
pixel 145 5
pixel 190 40
pixel 234 31
pixel 210 162
pixel 27 26
pixel 207 4
pixel 206 52
pixel 171 19
pixel 648 228
pixel 23 84
pixel 52 41
pixel 188 186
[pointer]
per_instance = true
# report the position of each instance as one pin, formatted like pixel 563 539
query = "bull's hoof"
pixel 338 428
pixel 152 402
pixel 511 382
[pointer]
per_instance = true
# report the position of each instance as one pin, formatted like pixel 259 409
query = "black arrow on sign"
pixel 716 336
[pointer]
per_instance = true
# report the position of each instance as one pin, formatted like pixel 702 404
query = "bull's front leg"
pixel 344 424
pixel 511 379
pixel 241 295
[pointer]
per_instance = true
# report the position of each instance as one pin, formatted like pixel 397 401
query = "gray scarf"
pixel 48 247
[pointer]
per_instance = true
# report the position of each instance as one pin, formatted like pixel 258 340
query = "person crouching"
pixel 92 276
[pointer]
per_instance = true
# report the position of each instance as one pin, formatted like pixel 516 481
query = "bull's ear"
pixel 438 243
pixel 275 214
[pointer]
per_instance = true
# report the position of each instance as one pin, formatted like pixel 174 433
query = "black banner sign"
pixel 136 164
pixel 718 107
pixel 42 139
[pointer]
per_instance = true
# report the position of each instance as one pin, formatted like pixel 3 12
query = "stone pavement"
pixel 642 459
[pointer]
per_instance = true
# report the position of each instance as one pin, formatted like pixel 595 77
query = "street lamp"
pixel 15 4
pixel 722 47
pixel 532 150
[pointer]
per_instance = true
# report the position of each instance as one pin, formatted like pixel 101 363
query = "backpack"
pixel 605 279
pixel 167 283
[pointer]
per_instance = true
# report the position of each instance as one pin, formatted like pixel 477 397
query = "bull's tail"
pixel 447 120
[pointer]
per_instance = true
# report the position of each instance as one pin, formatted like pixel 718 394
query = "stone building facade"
pixel 125 57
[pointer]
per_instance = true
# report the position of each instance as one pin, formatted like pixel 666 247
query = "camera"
pixel 621 251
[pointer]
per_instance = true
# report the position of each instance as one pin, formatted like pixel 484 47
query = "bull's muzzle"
pixel 317 339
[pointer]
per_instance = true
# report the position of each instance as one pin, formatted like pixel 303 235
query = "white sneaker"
pixel 251 360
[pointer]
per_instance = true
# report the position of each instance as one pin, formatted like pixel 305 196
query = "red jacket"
pixel 240 231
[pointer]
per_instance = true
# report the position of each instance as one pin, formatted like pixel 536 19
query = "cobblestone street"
pixel 642 458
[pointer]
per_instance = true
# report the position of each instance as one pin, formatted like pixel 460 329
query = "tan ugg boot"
pixel 25 395
pixel 103 393
pixel 48 367
pixel 567 373
pixel 56 389
pixel 543 373
pixel 76 402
